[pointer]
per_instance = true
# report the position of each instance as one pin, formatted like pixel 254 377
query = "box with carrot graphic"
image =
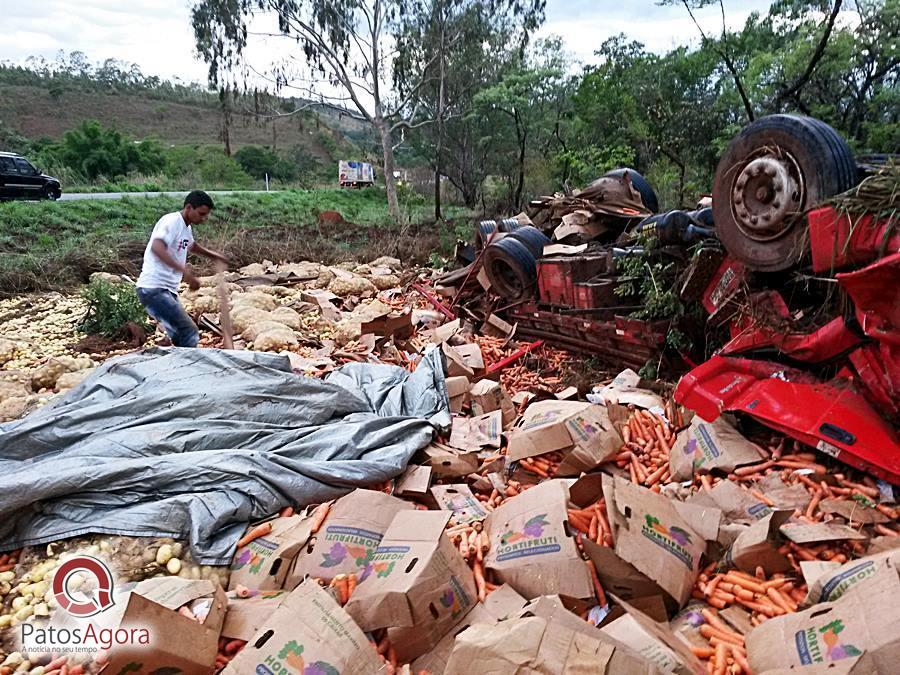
pixel 861 623
pixel 532 548
pixel 307 634
pixel 264 562
pixel 417 580
pixel 653 536
pixel 346 541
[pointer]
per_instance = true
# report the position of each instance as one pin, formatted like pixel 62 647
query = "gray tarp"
pixel 196 443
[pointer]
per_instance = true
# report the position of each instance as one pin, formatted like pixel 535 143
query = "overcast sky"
pixel 156 34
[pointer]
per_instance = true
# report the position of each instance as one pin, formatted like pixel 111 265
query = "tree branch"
pixel 748 107
pixel 793 90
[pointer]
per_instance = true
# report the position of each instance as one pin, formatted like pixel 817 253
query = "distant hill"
pixel 47 112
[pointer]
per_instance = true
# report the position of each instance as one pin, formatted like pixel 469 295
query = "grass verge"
pixel 57 245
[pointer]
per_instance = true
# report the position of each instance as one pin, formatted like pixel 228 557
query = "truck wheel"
pixel 533 238
pixel 774 171
pixel 483 232
pixel 648 195
pixel 511 269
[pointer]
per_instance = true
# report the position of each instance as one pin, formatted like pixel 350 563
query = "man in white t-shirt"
pixel 165 264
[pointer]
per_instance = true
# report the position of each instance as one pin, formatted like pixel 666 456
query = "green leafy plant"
pixel 111 306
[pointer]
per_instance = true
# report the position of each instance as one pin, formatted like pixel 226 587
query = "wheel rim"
pixel 767 195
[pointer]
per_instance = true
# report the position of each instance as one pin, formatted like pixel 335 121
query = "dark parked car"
pixel 20 180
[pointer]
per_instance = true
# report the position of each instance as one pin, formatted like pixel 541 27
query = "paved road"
pixel 118 195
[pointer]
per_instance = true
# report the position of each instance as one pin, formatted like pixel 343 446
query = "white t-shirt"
pixel 178 238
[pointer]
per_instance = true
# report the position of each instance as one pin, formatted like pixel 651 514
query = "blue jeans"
pixel 163 305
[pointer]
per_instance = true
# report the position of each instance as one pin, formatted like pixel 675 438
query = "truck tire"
pixel 483 232
pixel 533 238
pixel 511 269
pixel 509 225
pixel 648 195
pixel 774 171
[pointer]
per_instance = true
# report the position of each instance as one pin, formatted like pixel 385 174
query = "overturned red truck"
pixel 794 263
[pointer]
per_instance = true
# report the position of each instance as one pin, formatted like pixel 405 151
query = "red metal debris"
pixel 433 301
pixel 830 416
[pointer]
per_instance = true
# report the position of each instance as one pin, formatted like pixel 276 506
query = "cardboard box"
pixel 246 615
pixel 349 536
pixel 308 633
pixel 417 578
pixel 488 396
pixel 457 392
pixel 862 621
pixel 532 548
pixel 463 360
pixel 474 433
pixel 459 500
pixel 758 546
pixel 527 645
pixel 414 482
pixel 447 462
pixel 500 604
pixel 583 430
pixel 834 583
pixel 265 562
pixel 629 631
pixel 177 643
pixel 650 534
pixel 705 446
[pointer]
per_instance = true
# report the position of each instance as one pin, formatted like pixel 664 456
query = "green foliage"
pixel 95 151
pixel 582 165
pixel 110 307
pixel 205 165
pixel 259 161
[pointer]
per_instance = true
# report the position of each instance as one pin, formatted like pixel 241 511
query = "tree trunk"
pixel 387 148
pixel 523 146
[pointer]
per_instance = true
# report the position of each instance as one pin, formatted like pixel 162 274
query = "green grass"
pixel 56 245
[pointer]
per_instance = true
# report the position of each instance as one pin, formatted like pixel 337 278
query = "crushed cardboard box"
pixel 447 462
pixel 176 643
pixel 459 500
pixel 582 431
pixel 416 580
pixel 247 613
pixel 488 396
pixel 831 584
pixel 474 433
pixel 862 621
pixel 308 633
pixel 650 534
pixel 705 446
pixel 527 645
pixel 346 541
pixel 758 544
pixel 532 548
pixel 264 563
pixel 500 604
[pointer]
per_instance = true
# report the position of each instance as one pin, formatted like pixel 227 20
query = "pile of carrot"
pixel 545 466
pixel 343 585
pixel 9 560
pixel 648 440
pixel 726 652
pixel 497 497
pixel 228 649
pixel 473 544
pixel 592 522
pixel 763 597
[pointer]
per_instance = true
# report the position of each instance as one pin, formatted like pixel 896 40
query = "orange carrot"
pixel 478 570
pixel 703 652
pixel 255 533
pixel 598 588
pixel 319 516
pixel 719 659
pixel 708 631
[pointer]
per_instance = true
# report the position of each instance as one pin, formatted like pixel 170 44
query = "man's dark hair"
pixel 198 198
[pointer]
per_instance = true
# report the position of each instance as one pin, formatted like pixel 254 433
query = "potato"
pixel 70 380
pixel 275 340
pixel 253 330
pixel 288 317
pixel 244 315
pixel 254 299
pixel 353 286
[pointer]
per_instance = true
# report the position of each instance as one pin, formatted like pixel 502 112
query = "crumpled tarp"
pixel 196 443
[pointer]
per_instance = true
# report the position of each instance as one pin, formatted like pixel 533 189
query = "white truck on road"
pixel 355 174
